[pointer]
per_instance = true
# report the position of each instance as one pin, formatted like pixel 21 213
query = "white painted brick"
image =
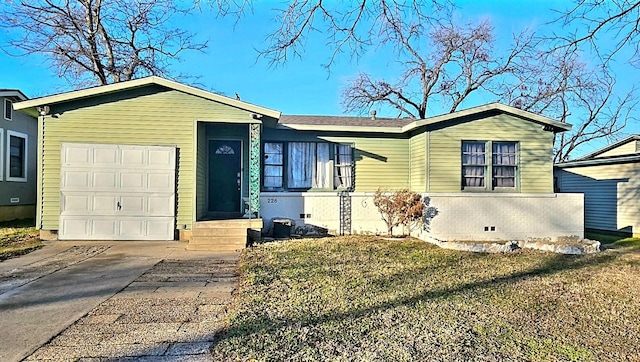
pixel 460 216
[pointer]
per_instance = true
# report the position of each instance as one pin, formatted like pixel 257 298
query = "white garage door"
pixel 117 192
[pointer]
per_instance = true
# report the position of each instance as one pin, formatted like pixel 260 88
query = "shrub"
pixel 402 207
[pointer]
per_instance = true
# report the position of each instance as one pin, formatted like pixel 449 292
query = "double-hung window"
pixel 273 165
pixel 307 165
pixel 16 161
pixel 343 172
pixel 504 164
pixel 474 164
pixel 489 165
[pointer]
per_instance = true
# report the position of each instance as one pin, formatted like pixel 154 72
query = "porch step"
pixel 213 232
pixel 240 240
pixel 222 235
pixel 237 223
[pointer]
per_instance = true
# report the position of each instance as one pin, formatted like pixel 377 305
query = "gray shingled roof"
pixel 345 121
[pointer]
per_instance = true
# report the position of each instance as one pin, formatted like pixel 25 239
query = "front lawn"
pixel 17 238
pixel 361 298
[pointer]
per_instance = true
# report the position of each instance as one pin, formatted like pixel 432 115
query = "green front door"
pixel 225 175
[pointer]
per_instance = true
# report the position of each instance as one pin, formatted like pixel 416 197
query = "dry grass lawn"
pixel 18 238
pixel 360 298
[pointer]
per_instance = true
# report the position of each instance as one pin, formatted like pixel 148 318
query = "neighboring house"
pixel 148 158
pixel 610 181
pixel 18 147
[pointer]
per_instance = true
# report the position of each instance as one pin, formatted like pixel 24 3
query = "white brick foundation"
pixel 461 216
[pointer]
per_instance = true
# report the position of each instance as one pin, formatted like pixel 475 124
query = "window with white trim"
pixel 307 165
pixel 8 109
pixel 16 159
pixel 502 163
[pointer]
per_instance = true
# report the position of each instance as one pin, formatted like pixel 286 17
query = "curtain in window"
pixel 504 164
pixel 504 176
pixel 301 162
pixel 344 167
pixel 504 153
pixel 473 153
pixel 322 168
pixel 473 161
pixel 473 176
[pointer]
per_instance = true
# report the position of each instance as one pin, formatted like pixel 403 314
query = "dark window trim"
pixel 285 164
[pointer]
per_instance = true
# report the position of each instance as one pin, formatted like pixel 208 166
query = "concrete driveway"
pixel 132 300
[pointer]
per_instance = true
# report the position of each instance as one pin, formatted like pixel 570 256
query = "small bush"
pixel 402 207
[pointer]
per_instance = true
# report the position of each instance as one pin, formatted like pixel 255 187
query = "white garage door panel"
pixel 117 192
pixel 75 179
pixel 162 159
pixel 96 204
pixel 160 181
pixel 133 181
pixel 104 180
pixel 135 157
pixel 85 228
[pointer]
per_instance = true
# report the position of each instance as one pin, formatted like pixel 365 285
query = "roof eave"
pixel 598 161
pixel 110 88
pixel 555 125
pixel 16 93
pixel 610 147
pixel 312 127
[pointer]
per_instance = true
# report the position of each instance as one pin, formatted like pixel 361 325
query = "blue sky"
pixel 301 86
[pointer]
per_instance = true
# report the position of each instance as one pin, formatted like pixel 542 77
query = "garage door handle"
pixel 119 206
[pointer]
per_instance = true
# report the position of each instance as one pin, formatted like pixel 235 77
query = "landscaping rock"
pixel 572 245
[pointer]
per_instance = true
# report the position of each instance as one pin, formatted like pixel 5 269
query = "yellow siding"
pixel 380 162
pixel 628 148
pixel 535 153
pixel 418 175
pixel 165 118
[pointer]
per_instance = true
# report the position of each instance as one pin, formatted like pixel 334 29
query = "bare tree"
pixel 558 85
pixel 607 27
pixel 444 63
pixel 458 61
pixel 99 41
pixel 351 27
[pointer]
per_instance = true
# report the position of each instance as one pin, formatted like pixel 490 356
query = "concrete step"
pixel 212 247
pixel 227 240
pixel 237 223
pixel 219 232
